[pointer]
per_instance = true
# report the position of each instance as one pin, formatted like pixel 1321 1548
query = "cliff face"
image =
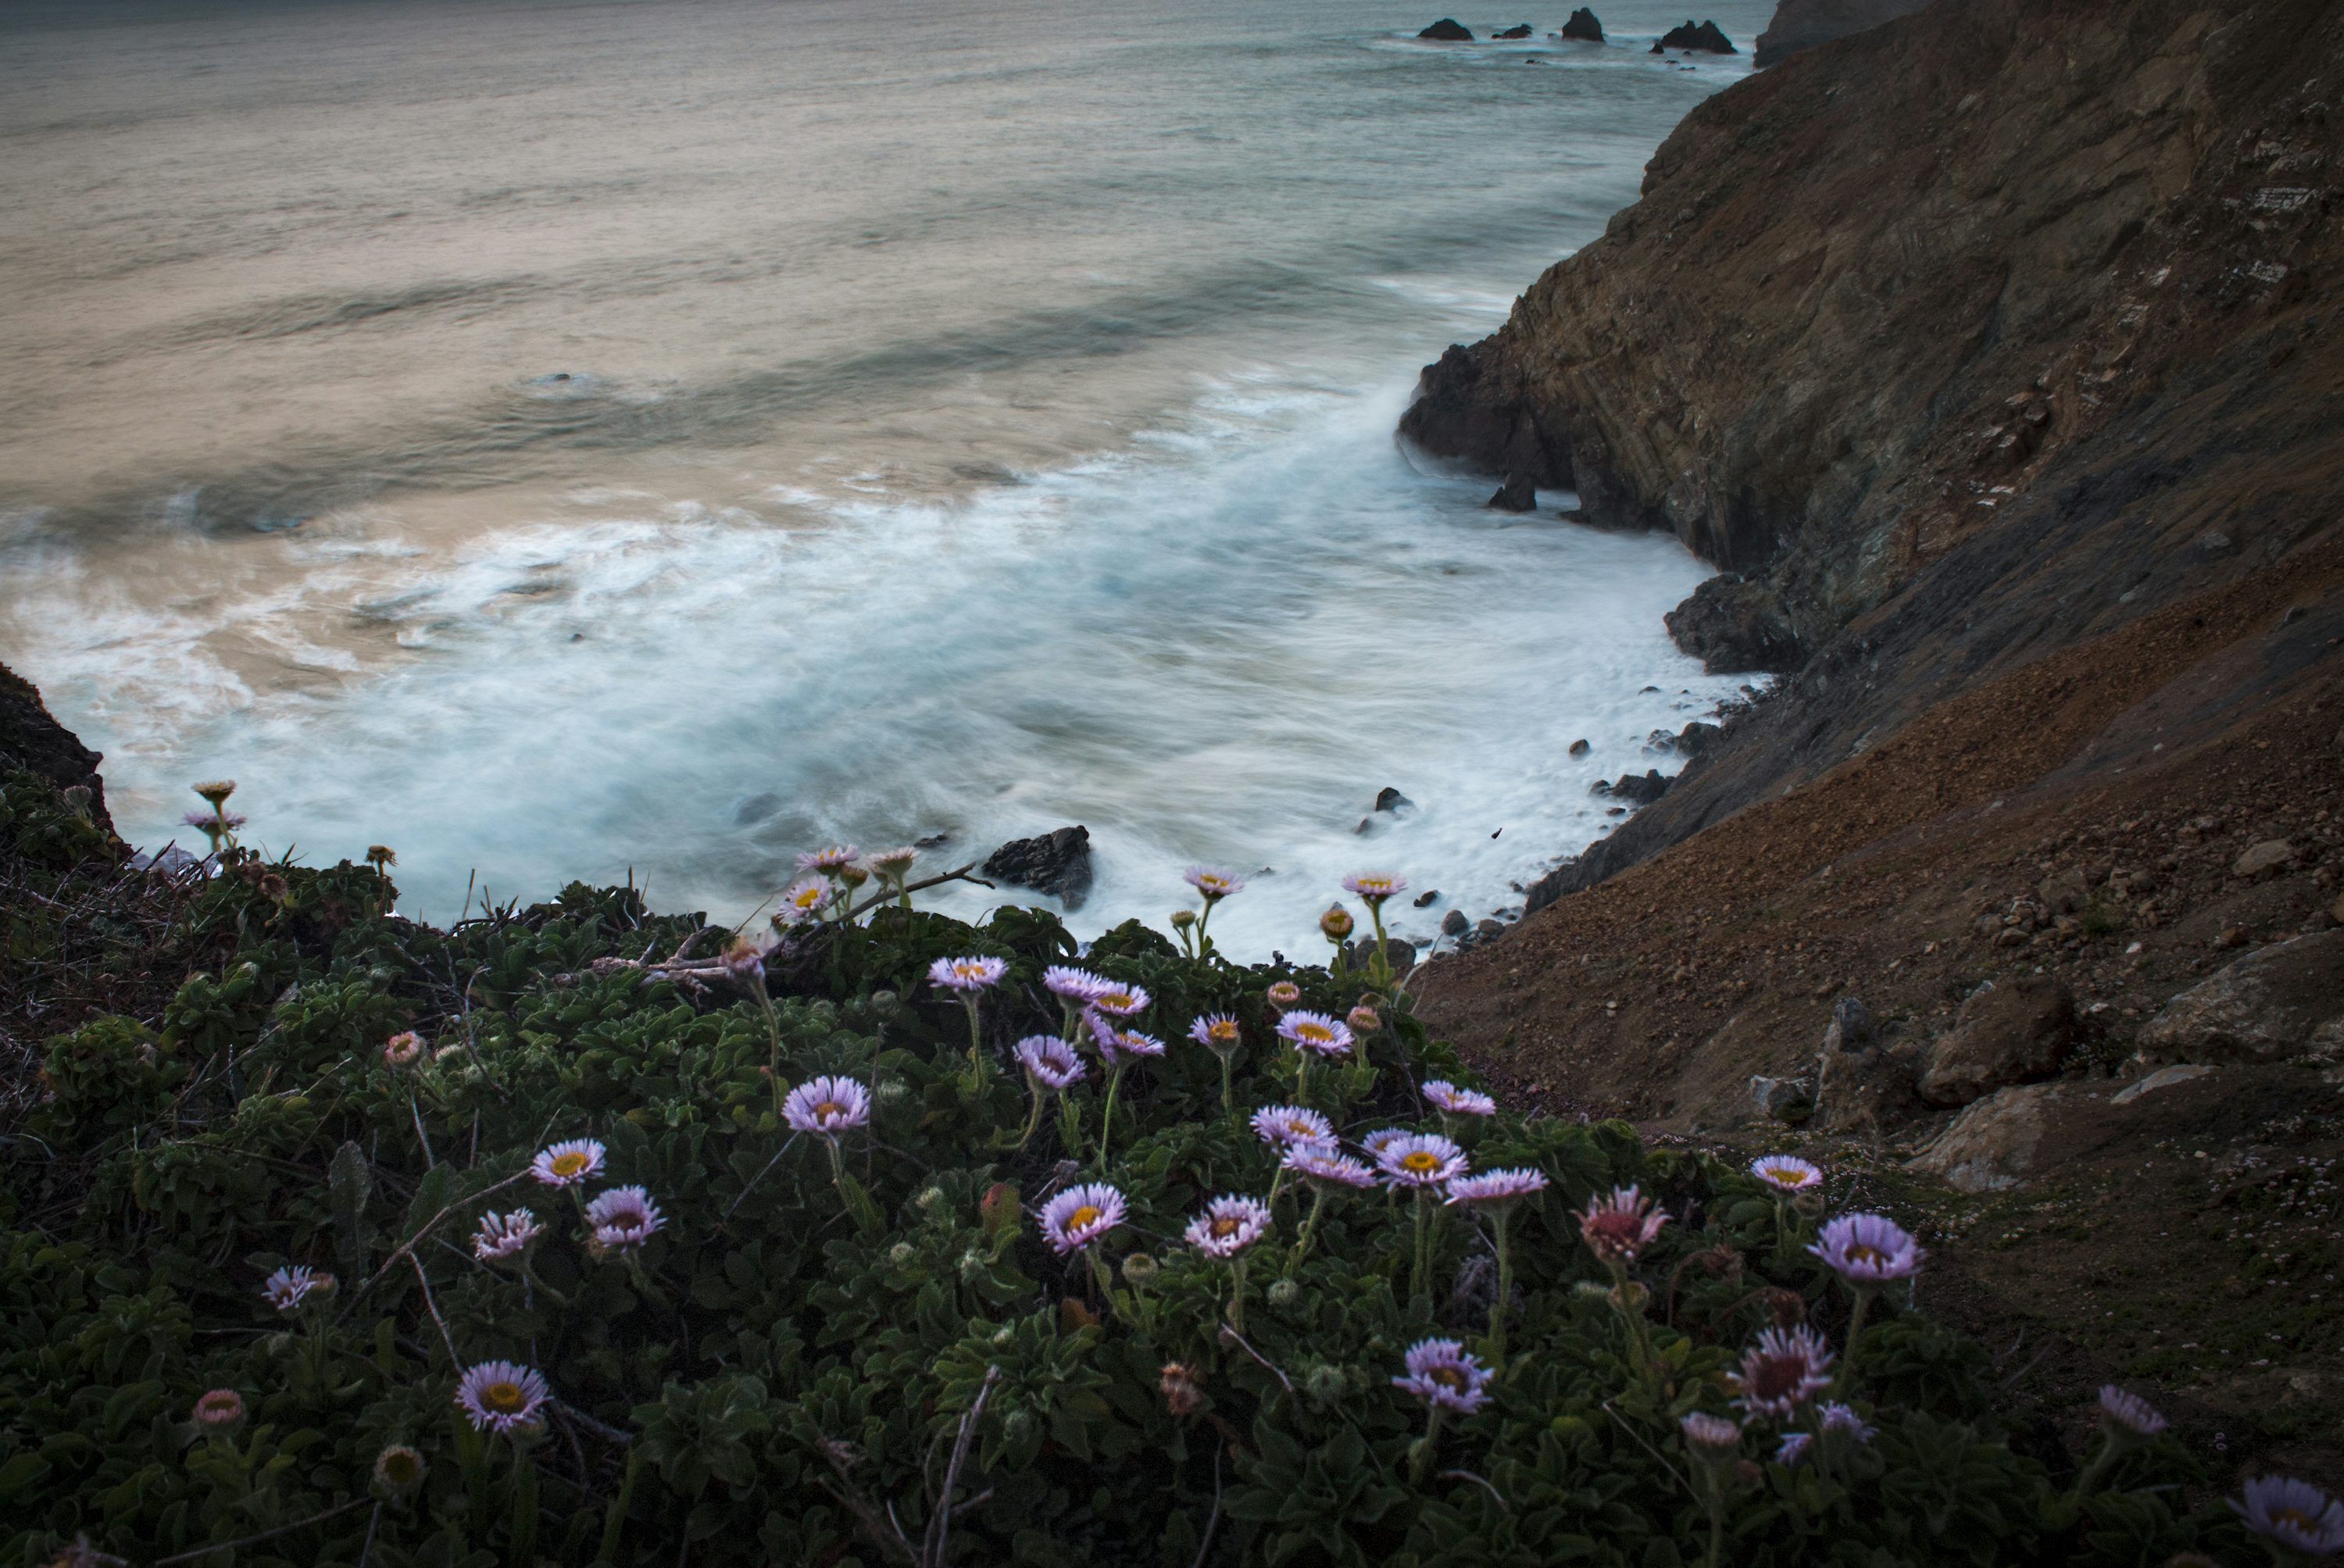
pixel 32 739
pixel 1804 23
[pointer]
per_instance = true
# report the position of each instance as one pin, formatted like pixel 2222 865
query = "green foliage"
pixel 793 1364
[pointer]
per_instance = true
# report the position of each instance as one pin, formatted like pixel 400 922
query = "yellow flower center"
pixel 569 1164
pixel 1088 1214
pixel 1224 1226
pixel 1223 1031
pixel 1861 1253
pixel 504 1398
pixel 1446 1377
pixel 1419 1162
pixel 828 1107
pixel 1318 1032
pixel 2294 1516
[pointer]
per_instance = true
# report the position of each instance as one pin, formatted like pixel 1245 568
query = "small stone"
pixel 1578 748
pixel 1789 1101
pixel 1454 924
pixel 1390 799
pixel 2261 859
pixel 2163 1077
pixel 2064 892
pixel 1426 899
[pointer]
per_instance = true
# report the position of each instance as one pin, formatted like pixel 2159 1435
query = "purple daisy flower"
pixel 805 898
pixel 499 1396
pixel 2295 1513
pixel 1787 1367
pixel 220 1411
pixel 891 862
pixel 1372 888
pixel 623 1218
pixel 1212 882
pixel 829 862
pixel 1793 1447
pixel 222 822
pixel 1383 1137
pixel 1497 1189
pixel 1710 1434
pixel 1283 994
pixel 2130 1414
pixel 1316 1032
pixel 1081 1216
pixel 1421 1159
pixel 1078 985
pixel 566 1164
pixel 1115 1044
pixel 286 1288
pixel 968 976
pixel 1228 1226
pixel 1443 1375
pixel 1287 1126
pixel 1319 1164
pixel 1867 1250
pixel 1216 1032
pixel 1786 1173
pixel 503 1235
pixel 827 1105
pixel 1839 1418
pixel 1119 1001
pixel 1617 1227
pixel 1051 1061
pixel 1459 1102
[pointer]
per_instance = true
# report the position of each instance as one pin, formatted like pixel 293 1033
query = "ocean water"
pixel 569 441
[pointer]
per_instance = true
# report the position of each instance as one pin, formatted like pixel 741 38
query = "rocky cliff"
pixel 32 739
pixel 1804 23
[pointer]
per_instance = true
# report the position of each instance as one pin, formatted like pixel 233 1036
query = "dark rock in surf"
pixel 1698 737
pixel 1578 748
pixel 1584 27
pixel 1520 31
pixel 1476 412
pixel 1629 787
pixel 1447 30
pixel 1708 39
pixel 1390 799
pixel 1057 863
pixel 1732 625
pixel 1517 494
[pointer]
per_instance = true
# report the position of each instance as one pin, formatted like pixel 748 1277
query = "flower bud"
pixel 1282 1293
pixel 1182 1394
pixel 222 1410
pixel 1325 1385
pixel 1335 923
pixel 900 1254
pixel 1183 918
pixel 399 1470
pixel 1139 1269
pixel 1365 1020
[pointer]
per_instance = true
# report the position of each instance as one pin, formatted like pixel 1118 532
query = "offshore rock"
pixel 1516 494
pixel 1584 27
pixel 1057 863
pixel 1708 39
pixel 1467 410
pixel 1447 30
pixel 1804 23
pixel 1522 31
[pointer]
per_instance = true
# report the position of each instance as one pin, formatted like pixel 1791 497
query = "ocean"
pixel 578 441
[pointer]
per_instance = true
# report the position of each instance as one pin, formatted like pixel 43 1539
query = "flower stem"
pixel 1106 1117
pixel 1310 1228
pixel 1418 1284
pixel 1420 1464
pixel 1505 1295
pixel 1237 1294
pixel 1228 1101
pixel 1034 1121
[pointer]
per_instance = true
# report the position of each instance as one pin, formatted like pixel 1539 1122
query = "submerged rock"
pixel 1520 31
pixel 1390 799
pixel 1629 787
pixel 1447 30
pixel 1584 27
pixel 1056 862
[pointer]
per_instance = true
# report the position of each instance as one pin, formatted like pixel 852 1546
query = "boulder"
pixel 1850 1028
pixel 1731 625
pixel 1782 1100
pixel 2260 860
pixel 1399 954
pixel 1698 737
pixel 1477 410
pixel 2280 1004
pixel 1517 494
pixel 1454 924
pixel 2014 1033
pixel 1056 862
pixel 1993 1145
pixel 32 739
pixel 1427 898
pixel 1629 787
pixel 1867 1091
pixel 2064 892
pixel 1391 800
pixel 1447 30
pixel 1708 39
pixel 1804 23
pixel 1521 30
pixel 1584 27
pixel 1578 748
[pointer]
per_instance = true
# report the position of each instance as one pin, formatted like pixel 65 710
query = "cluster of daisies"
pixel 830 879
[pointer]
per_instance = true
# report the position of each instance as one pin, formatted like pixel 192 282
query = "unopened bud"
pixel 1336 922
pixel 1183 918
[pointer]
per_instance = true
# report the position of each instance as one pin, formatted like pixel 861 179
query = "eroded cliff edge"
pixel 1955 342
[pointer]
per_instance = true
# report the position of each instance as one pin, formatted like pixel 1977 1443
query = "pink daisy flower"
pixel 1212 882
pixel 827 1105
pixel 286 1288
pixel 623 1218
pixel 1287 1126
pixel 1319 1164
pixel 1421 1159
pixel 1115 1044
pixel 1617 1227
pixel 1284 994
pixel 1074 985
pixel 1497 1189
pixel 1713 1434
pixel 1787 1172
pixel 1316 1032
pixel 1081 1216
pixel 219 1410
pixel 1383 1137
pixel 1443 1375
pixel 1793 1447
pixel 500 1396
pixel 2130 1414
pixel 1782 1371
pixel 503 1235
pixel 1372 888
pixel 1459 1102
pixel 1843 1419
pixel 1118 1001
pixel 1051 1061
pixel 2295 1513
pixel 829 862
pixel 1867 1250
pixel 805 898
pixel 1364 1019
pixel 403 1049
pixel 1216 1031
pixel 1228 1226
pixel 568 1164
pixel 968 976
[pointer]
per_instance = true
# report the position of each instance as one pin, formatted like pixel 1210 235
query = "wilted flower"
pixel 500 1396
pixel 1787 1367
pixel 1711 1435
pixel 216 792
pixel 623 1218
pixel 1442 1374
pixel 1319 1163
pixel 403 1049
pixel 1284 994
pixel 381 857
pixel 1216 1032
pixel 288 1288
pixel 1372 888
pixel 273 887
pixel 827 1105
pixel 1617 1227
pixel 399 1470
pixel 1081 1216
pixel 222 1410
pixel 1336 924
pixel 1459 1102
pixel 1867 1249
pixel 892 864
pixel 968 976
pixel 2295 1513
pixel 1183 1395
pixel 566 1164
pixel 1051 1061
pixel 1119 1001
pixel 1497 1187
pixel 2128 1413
pixel 1364 1019
pixel 1287 1126
pixel 803 899
pixel 1316 1032
pixel 1843 1419
pixel 1421 1159
pixel 1212 882
pixel 1786 1173
pixel 1228 1226
pixel 829 862
pixel 503 1235
pixel 1793 1447
pixel 1077 986
pixel 744 960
